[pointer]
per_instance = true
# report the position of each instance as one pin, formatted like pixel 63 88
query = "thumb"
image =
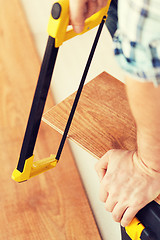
pixel 102 164
pixel 77 14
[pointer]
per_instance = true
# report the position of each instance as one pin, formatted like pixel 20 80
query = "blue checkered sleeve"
pixel 137 40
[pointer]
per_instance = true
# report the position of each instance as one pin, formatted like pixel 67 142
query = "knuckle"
pixel 101 4
pixel 110 205
pixel 102 199
pixel 105 185
pixel 114 194
pixel 116 217
pixel 125 222
pixel 103 195
pixel 76 19
pixel 109 152
pixel 137 203
pixel 77 22
pixel 108 208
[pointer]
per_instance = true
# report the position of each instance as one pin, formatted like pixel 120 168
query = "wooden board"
pixel 102 120
pixel 47 206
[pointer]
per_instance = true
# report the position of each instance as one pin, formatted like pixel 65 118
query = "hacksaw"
pixel 58 33
pixel 27 167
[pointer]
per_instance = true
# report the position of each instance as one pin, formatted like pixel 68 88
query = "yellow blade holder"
pixel 58 33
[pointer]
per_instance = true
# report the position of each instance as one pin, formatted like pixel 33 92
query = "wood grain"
pixel 102 120
pixel 47 206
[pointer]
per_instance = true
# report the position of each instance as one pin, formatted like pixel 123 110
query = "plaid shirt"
pixel 137 40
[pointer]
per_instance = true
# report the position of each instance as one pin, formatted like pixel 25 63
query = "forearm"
pixel 144 101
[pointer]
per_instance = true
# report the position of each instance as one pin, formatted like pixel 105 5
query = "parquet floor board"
pixel 47 206
pixel 102 119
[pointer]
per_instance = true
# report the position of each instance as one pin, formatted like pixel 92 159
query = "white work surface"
pixel 70 64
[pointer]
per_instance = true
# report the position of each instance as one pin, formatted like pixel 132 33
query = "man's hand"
pixel 126 185
pixel 82 9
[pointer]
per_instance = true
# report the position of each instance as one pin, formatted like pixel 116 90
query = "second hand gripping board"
pixel 58 33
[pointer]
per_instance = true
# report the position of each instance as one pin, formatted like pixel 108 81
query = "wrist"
pixel 148 149
pixel 140 163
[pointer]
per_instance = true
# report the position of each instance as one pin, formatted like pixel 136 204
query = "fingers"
pixel 128 216
pixel 82 9
pixel 118 208
pixel 123 214
pixel 120 211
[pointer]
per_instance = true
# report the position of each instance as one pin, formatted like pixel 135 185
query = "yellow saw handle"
pixel 135 229
pixel 59 21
